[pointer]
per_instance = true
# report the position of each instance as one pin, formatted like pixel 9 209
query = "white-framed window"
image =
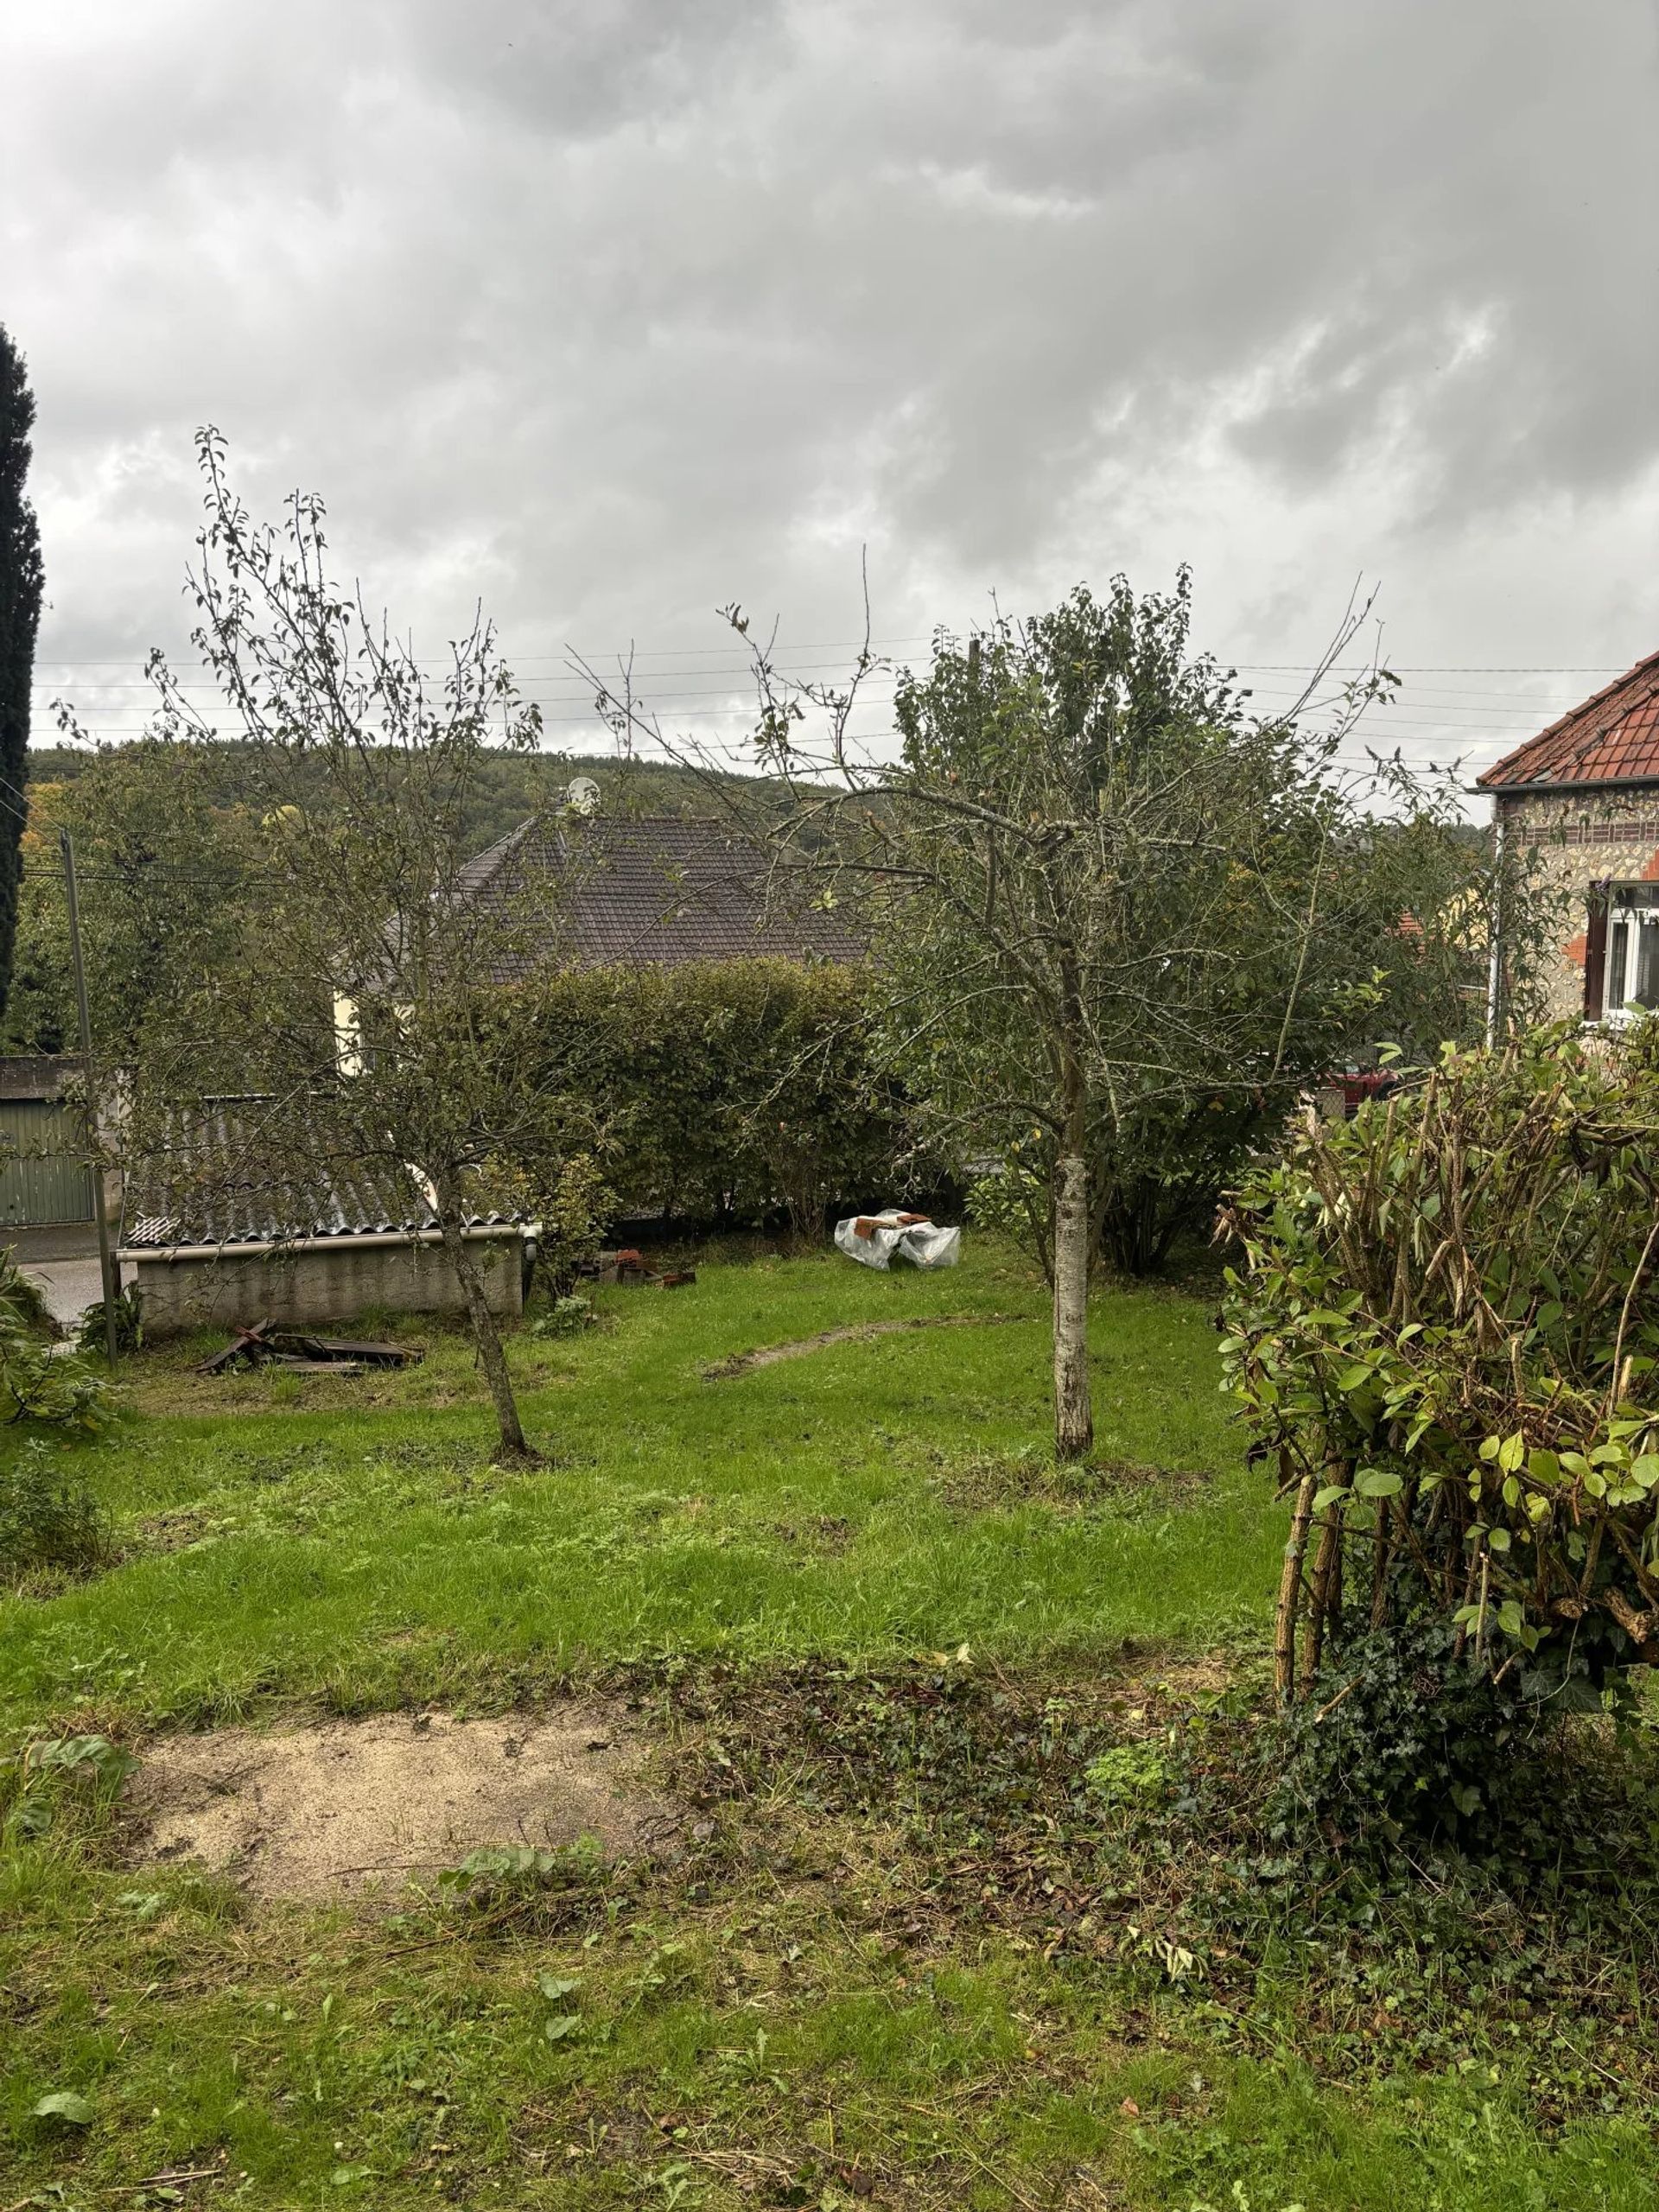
pixel 1630 976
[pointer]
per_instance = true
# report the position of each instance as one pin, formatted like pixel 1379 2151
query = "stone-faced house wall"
pixel 1583 838
pixel 1585 795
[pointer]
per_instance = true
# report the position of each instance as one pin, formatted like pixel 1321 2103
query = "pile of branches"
pixel 1443 1337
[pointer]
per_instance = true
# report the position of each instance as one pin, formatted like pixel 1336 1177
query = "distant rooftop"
pixel 662 892
pixel 1611 738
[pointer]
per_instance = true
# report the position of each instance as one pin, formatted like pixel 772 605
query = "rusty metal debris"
pixel 627 1266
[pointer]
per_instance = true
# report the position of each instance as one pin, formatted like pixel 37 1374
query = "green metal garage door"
pixel 44 1178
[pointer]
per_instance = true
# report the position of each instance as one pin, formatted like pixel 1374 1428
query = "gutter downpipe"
pixel 374 1241
pixel 1495 959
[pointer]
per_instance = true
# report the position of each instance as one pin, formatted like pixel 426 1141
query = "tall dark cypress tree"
pixel 21 580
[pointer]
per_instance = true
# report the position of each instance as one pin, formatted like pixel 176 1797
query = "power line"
pixel 1270 706
pixel 617 653
pixel 880 688
pixel 1492 706
pixel 1454 668
pixel 854 645
pixel 575 687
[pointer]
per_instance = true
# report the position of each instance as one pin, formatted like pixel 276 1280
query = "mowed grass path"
pixel 350 1543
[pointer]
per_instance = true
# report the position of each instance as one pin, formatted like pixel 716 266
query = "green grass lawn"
pixel 364 1555
pixel 805 2005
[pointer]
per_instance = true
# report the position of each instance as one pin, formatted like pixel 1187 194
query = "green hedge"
pixel 730 1090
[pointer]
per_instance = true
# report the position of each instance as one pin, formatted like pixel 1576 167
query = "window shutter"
pixel 1595 952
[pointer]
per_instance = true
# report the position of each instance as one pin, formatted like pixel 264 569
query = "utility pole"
pixel 105 1258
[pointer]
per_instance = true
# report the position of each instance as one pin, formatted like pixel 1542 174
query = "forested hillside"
pixel 632 786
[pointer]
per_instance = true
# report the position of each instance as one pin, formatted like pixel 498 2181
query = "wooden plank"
pixel 244 1344
pixel 374 1355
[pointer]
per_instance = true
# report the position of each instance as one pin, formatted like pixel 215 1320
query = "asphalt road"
pixel 69 1287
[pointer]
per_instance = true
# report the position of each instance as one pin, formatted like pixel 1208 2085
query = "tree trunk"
pixel 486 1338
pixel 1290 1592
pixel 1074 1427
pixel 1327 1561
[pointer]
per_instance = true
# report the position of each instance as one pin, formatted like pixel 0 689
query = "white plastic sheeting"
pixel 875 1239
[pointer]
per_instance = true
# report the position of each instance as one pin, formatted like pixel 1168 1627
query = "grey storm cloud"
pixel 611 310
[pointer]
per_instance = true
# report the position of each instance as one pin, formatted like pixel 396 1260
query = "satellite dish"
pixel 581 795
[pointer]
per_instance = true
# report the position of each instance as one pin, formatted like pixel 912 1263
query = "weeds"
pixel 565 1317
pixel 92 1336
pixel 1142 1835
pixel 49 1519
pixel 1001 1924
pixel 37 1385
pixel 25 1297
pixel 518 1889
pixel 89 1769
pixel 999 1481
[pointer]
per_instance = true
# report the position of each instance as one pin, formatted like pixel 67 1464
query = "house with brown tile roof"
pixel 1585 792
pixel 660 891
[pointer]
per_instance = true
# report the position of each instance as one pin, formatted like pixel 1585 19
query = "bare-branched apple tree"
pixel 1116 918
pixel 380 1024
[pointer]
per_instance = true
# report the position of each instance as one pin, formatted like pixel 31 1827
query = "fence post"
pixel 105 1258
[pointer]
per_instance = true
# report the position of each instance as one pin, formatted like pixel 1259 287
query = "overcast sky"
pixel 609 311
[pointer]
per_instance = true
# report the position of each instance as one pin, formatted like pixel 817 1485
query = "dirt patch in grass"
pixel 180 1529
pixel 992 1482
pixel 345 1807
pixel 741 1363
pixel 1209 1674
pixel 826 1533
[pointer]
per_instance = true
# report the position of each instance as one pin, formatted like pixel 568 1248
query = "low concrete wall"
pixel 331 1284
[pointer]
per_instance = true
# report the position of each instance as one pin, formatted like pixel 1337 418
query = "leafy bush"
pixel 573 1214
pixel 1011 1200
pixel 1444 1339
pixel 565 1317
pixel 564 1193
pixel 90 1339
pixel 33 1384
pixel 48 1518
pixel 730 1090
pixel 25 1294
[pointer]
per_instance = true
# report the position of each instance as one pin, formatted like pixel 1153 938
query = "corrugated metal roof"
pixel 660 892
pixel 211 1186
pixel 1612 738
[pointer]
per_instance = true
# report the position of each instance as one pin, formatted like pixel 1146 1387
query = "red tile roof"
pixel 1611 738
